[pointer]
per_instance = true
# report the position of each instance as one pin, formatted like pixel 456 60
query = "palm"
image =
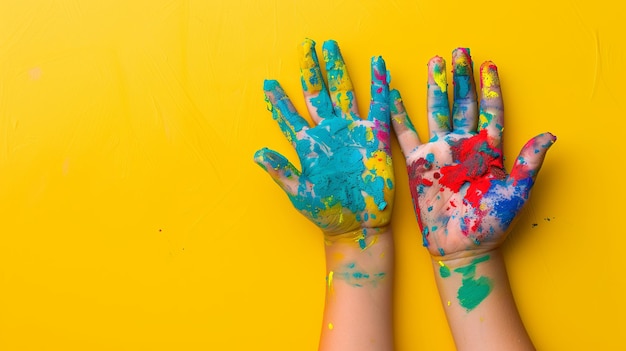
pixel 463 196
pixel 343 185
pixel 464 199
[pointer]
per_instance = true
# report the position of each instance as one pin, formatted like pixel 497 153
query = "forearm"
pixel 479 305
pixel 358 308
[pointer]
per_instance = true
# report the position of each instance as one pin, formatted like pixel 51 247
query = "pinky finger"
pixel 280 169
pixel 530 159
pixel 402 126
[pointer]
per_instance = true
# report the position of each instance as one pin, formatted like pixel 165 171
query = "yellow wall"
pixel 133 218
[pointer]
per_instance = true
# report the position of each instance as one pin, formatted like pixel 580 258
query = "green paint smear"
pixel 444 271
pixel 474 290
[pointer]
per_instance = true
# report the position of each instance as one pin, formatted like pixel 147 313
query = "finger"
pixel 280 169
pixel 402 126
pixel 530 160
pixel 315 92
pixel 438 107
pixel 283 111
pixel 379 105
pixel 339 83
pixel 465 106
pixel 491 118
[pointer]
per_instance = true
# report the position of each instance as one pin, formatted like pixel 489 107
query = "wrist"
pixel 363 258
pixel 460 259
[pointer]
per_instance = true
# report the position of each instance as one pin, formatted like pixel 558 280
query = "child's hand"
pixel 346 183
pixel 464 200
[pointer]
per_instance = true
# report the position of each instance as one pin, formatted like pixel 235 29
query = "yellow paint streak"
pixel 343 101
pixel 440 79
pixel 442 120
pixel 489 79
pixel 330 281
pixel 308 68
pixel 373 240
pixel 369 134
pixel 380 162
pixel 483 121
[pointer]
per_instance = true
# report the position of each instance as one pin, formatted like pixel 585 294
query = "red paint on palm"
pixel 477 164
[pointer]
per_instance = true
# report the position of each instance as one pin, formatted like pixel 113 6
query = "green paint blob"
pixel 444 271
pixel 474 290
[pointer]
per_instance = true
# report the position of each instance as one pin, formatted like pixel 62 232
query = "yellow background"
pixel 133 218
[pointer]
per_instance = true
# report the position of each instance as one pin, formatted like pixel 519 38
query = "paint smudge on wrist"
pixel 354 276
pixel 473 289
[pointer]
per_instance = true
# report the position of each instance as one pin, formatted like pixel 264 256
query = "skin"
pixel 346 188
pixel 466 202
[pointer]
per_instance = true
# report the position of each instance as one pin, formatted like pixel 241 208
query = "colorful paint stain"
pixel 473 289
pixel 476 164
pixel 357 277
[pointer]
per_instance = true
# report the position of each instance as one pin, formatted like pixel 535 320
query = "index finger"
pixel 283 111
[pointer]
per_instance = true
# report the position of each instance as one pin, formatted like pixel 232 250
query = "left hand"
pixel 464 200
pixel 346 184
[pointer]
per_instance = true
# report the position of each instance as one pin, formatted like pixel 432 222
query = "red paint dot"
pixel 436 175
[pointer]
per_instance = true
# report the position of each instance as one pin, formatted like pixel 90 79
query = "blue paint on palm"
pixel 333 160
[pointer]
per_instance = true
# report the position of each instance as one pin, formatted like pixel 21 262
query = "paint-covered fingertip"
pixel 489 80
pixel 308 57
pixel 437 73
pixel 331 52
pixel 395 103
pixel 379 70
pixel 545 140
pixel 394 95
pixel 270 85
pixel 488 66
pixel 379 63
pixel 461 51
pixel 308 42
pixel 330 44
pixel 436 60
pixel 269 159
pixel 462 62
pixel 552 137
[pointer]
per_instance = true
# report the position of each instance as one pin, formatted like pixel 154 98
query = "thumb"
pixel 280 169
pixel 530 159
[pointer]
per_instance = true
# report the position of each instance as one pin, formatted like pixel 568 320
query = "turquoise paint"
pixel 357 277
pixel 332 160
